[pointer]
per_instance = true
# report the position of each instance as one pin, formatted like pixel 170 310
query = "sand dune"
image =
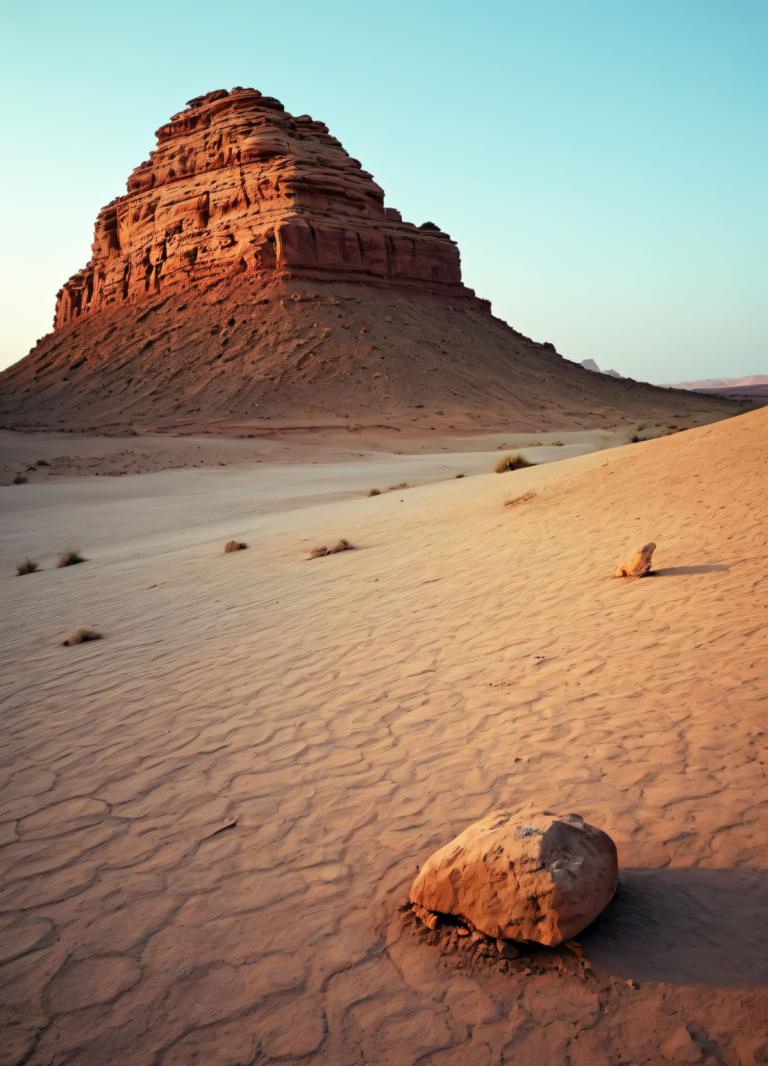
pixel 210 816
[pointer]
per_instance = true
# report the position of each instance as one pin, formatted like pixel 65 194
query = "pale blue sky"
pixel 603 166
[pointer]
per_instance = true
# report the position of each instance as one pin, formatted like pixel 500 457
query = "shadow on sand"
pixel 685 926
pixel 704 568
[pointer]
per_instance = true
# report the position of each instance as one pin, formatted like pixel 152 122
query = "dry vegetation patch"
pixel 28 566
pixel 234 546
pixel 514 500
pixel 342 546
pixel 70 557
pixel 511 462
pixel 81 635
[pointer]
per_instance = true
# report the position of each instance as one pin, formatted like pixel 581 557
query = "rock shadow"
pixel 687 926
pixel 703 568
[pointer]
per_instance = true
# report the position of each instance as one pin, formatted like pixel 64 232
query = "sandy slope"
pixel 210 817
pixel 68 455
pixel 249 354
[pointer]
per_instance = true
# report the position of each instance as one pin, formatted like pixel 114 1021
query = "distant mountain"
pixel 751 390
pixel 720 383
pixel 590 364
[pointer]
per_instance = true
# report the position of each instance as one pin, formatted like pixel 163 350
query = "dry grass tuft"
pixel 342 546
pixel 20 480
pixel 80 636
pixel 234 546
pixel 511 462
pixel 70 557
pixel 520 499
pixel 398 488
pixel 374 492
pixel 29 566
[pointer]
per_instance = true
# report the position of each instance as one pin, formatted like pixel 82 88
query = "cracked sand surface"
pixel 351 715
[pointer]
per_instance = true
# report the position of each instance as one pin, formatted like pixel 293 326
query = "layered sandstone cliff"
pixel 235 186
pixel 251 272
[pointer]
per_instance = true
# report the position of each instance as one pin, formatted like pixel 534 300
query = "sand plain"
pixel 209 818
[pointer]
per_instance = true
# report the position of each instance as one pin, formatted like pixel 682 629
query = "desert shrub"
pixel 42 462
pixel 526 496
pixel 397 488
pixel 558 443
pixel 19 479
pixel 341 546
pixel 80 636
pixel 635 439
pixel 28 566
pixel 458 475
pixel 234 546
pixel 374 492
pixel 70 557
pixel 511 462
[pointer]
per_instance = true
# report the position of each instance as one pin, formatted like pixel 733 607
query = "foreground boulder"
pixel 528 876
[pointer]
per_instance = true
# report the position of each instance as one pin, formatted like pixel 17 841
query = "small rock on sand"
pixel 640 563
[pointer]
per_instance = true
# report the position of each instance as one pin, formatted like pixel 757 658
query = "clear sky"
pixel 602 165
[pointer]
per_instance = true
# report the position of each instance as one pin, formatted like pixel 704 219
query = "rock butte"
pixel 235 186
pixel 252 271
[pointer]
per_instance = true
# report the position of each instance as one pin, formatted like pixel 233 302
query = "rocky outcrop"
pixel 529 876
pixel 237 186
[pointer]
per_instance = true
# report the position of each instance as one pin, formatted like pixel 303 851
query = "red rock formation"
pixel 236 186
pixel 251 272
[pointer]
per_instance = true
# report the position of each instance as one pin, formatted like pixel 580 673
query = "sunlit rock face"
pixel 530 875
pixel 236 185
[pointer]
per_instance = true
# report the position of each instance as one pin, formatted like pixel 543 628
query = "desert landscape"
pixel 212 815
pixel 311 565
